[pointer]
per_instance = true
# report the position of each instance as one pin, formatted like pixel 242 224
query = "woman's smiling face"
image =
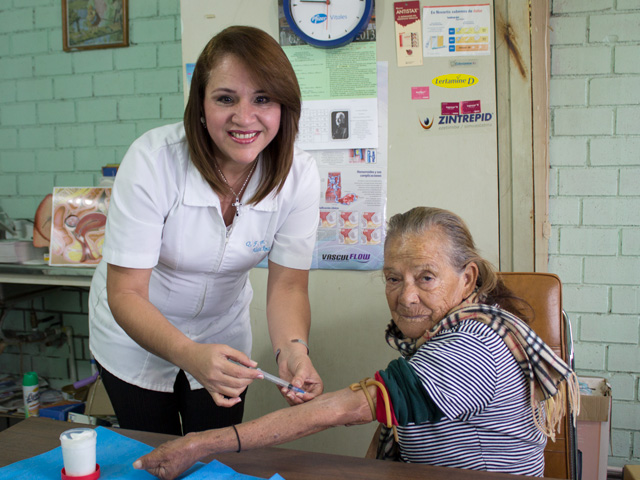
pixel 240 117
pixel 421 284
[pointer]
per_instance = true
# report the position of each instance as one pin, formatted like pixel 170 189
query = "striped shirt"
pixel 472 377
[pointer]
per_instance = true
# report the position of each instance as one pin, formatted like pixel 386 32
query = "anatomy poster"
pixel 79 216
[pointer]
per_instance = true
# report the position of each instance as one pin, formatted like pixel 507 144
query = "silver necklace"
pixel 237 203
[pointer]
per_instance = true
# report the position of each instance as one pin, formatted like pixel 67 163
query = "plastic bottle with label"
pixel 31 394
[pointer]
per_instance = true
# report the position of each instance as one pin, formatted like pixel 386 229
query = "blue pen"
pixel 273 378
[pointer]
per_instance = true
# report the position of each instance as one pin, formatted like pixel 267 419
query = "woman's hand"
pixel 172 458
pixel 225 381
pixel 208 363
pixel 297 368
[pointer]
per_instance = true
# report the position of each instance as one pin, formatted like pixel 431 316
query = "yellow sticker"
pixel 455 80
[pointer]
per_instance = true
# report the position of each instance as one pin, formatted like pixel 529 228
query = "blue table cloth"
pixel 115 454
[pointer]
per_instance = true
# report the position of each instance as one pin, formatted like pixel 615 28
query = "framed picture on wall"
pixel 93 24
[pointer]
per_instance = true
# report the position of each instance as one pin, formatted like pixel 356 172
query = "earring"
pixel 203 122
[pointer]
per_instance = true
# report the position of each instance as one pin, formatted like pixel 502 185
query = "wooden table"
pixel 39 435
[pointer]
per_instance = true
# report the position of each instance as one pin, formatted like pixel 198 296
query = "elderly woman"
pixel 474 387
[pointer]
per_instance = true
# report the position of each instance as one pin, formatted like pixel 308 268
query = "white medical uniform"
pixel 164 215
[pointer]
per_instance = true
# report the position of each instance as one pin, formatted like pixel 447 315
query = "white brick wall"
pixel 595 196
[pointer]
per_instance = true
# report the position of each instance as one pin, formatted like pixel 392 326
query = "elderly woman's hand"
pixel 171 459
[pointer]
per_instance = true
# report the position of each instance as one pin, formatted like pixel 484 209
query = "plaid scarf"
pixel 547 373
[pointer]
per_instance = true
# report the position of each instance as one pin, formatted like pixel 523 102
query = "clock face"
pixel 328 23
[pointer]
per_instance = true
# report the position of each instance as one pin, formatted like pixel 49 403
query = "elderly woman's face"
pixel 421 285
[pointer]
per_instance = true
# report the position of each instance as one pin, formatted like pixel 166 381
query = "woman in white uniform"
pixel 195 206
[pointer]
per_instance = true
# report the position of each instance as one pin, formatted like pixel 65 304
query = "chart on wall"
pixel 343 125
pixel 457 30
pixel 353 200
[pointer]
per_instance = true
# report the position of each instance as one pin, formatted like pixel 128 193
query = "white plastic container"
pixel 79 451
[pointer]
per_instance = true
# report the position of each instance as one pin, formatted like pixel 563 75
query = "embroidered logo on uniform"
pixel 258 246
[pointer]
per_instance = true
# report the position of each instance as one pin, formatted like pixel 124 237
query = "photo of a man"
pixel 340 125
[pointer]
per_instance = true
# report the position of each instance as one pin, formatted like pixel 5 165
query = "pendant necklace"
pixel 237 203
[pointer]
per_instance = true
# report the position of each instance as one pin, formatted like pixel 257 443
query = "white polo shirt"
pixel 164 215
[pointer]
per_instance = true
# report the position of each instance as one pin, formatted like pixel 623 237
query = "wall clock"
pixel 328 23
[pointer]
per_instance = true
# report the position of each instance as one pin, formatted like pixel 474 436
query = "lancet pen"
pixel 273 378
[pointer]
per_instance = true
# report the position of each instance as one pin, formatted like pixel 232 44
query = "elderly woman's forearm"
pixel 343 407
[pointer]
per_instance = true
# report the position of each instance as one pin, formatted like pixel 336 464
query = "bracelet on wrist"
pixel 295 340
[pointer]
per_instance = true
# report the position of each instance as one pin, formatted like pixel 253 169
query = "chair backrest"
pixel 543 291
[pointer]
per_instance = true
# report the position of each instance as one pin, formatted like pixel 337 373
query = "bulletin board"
pixel 441 151
pixel 442 133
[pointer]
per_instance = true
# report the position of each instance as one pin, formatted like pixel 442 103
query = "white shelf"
pixel 45 275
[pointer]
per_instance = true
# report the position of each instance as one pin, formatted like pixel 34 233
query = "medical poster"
pixel 408 33
pixel 456 30
pixel 344 93
pixel 353 199
pixel 352 209
pixel 79 216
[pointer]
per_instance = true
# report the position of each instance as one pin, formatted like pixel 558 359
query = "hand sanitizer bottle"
pixel 31 394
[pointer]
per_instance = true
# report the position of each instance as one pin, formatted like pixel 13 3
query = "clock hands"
pixel 327 2
pixel 326 26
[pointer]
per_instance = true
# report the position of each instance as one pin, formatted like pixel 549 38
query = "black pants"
pixel 176 413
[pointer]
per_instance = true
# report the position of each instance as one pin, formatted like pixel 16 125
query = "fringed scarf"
pixel 549 376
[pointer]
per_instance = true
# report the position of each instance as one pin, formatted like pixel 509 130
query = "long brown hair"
pixel 462 252
pixel 270 68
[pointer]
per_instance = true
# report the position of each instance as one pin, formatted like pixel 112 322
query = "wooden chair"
pixel 543 291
